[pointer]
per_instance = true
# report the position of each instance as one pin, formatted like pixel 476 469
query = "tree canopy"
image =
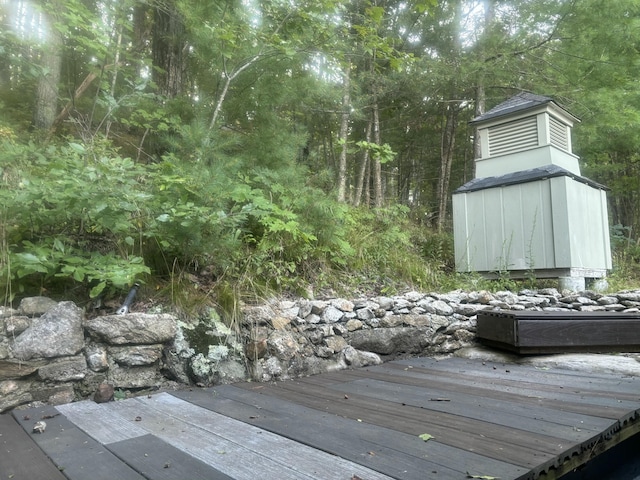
pixel 253 135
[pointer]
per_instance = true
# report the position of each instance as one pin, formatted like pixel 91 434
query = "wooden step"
pixel 531 332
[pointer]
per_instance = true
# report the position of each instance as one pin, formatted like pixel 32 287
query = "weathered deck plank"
pixel 515 422
pixel 545 377
pixel 20 457
pixel 157 460
pixel 75 453
pixel 389 451
pixel 234 448
pixel 501 389
pixel 507 414
pixel 490 440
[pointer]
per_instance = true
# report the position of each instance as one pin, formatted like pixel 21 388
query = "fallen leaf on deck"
pixel 426 437
pixel 482 477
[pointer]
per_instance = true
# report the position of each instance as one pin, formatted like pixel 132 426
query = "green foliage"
pixel 388 254
pixel 383 152
pixel 625 250
pixel 80 215
pixel 233 175
pixel 68 216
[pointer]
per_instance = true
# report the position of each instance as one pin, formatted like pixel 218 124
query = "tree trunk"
pixel 446 159
pixel 46 106
pixel 344 134
pixel 363 167
pixel 5 58
pixel 377 166
pixel 480 94
pixel 169 47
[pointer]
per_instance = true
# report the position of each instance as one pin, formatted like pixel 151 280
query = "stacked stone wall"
pixel 51 352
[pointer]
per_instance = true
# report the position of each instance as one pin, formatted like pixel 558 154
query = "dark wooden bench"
pixel 531 332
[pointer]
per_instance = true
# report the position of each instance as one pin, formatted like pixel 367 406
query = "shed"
pixel 528 211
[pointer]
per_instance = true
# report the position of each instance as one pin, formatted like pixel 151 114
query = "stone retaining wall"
pixel 51 352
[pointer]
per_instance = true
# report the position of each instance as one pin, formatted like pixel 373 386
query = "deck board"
pixel 20 457
pixel 545 377
pixel 392 452
pixel 515 422
pixel 157 460
pixel 467 433
pixel 502 389
pixel 232 447
pixel 75 453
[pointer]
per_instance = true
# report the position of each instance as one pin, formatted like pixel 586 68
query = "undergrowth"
pixel 82 222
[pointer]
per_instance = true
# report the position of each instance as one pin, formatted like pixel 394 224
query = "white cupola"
pixel 526 131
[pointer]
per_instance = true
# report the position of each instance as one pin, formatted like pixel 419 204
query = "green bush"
pixel 79 216
pixel 84 218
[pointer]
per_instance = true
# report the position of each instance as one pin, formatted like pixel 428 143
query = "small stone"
pixel 281 323
pixel 96 356
pixel 104 393
pixel 364 314
pixel 34 306
pixel 385 303
pixel 342 305
pixel 353 325
pixel 16 325
pixel 336 344
pixel 440 307
pixel 331 314
pixel 255 349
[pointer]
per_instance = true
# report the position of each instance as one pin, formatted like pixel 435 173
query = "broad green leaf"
pixel 77 148
pixel 97 290
pixel 425 437
pixel 78 275
pixel 58 245
pixel 482 477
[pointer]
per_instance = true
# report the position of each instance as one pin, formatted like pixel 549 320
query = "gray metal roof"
pixel 521 101
pixel 524 176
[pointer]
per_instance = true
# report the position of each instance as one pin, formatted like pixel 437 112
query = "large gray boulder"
pixel 133 328
pixel 14 393
pixel 64 369
pixel 57 333
pixel 389 341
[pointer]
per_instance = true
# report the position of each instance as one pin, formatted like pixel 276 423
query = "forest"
pixel 224 150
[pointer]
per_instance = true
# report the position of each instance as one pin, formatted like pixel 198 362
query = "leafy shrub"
pixel 75 215
pixel 68 216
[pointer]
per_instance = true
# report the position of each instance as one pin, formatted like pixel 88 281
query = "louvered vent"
pixel 513 136
pixel 558 131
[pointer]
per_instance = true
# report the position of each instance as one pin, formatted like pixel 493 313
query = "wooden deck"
pixel 483 419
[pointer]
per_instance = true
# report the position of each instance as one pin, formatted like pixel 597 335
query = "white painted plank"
pixel 90 417
pixel 230 458
pixel 305 461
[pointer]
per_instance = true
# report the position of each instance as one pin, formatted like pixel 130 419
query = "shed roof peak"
pixel 520 101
